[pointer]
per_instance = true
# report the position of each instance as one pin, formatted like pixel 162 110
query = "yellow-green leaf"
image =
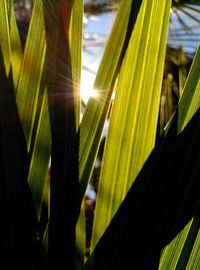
pixel 133 122
pixel 194 260
pixel 40 156
pixel 31 71
pixel 5 34
pixel 76 29
pixel 16 49
pixel 172 252
pixel 97 108
pixel 190 99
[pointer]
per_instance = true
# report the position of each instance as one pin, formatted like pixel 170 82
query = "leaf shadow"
pixel 162 200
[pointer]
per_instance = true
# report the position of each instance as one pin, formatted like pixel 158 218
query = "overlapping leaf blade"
pixel 76 29
pixel 31 72
pixel 190 99
pixel 158 205
pixel 18 219
pixel 16 49
pixel 134 116
pixel 189 103
pixel 171 254
pixel 182 253
pixel 76 33
pixel 40 155
pixel 194 260
pixel 31 98
pixel 37 129
pixel 5 34
pixel 64 184
pixel 96 111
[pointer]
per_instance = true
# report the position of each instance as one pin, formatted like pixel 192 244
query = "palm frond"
pixel 133 121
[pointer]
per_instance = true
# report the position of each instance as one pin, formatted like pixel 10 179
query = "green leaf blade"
pixel 31 71
pixel 96 110
pixel 190 99
pixel 134 116
pixel 194 260
pixel 40 157
pixel 16 49
pixel 5 35
pixel 76 32
pixel 188 105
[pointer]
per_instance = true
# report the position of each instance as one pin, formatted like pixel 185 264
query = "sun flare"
pixel 86 88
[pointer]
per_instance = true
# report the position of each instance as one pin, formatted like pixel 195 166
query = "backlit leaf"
pixel 133 122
